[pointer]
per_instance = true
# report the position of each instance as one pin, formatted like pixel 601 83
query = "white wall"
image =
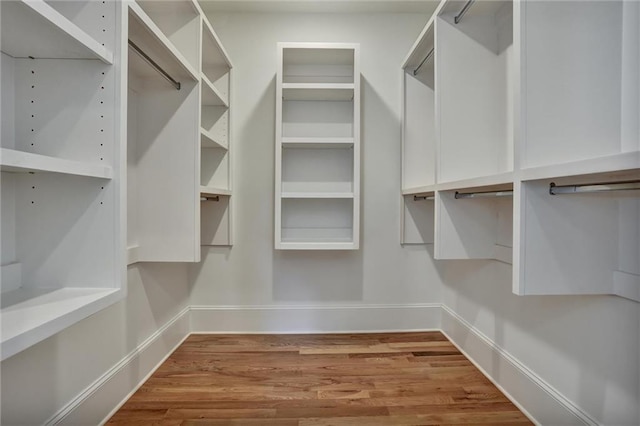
pixel 253 273
pixel 586 347
pixel 41 380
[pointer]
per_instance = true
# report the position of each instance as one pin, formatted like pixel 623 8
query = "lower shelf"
pixel 317 239
pixel 29 316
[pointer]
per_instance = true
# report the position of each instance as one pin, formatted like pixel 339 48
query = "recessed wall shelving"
pixel 506 129
pixel 317 147
pixel 62 247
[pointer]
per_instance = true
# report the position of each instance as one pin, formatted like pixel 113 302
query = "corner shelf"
pixel 25 162
pixel 35 29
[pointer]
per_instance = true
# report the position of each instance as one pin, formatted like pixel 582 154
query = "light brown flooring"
pixel 332 379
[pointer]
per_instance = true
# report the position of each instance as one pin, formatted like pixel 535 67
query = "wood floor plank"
pixel 312 380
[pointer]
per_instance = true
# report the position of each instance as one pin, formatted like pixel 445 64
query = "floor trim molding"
pixel 544 404
pixel 138 365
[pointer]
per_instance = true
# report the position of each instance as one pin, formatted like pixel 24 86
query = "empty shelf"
pixel 317 195
pixel 211 96
pixel 209 140
pixel 317 91
pixel 32 315
pixel 148 37
pixel 25 162
pixel 35 29
pixel 291 142
pixel 209 190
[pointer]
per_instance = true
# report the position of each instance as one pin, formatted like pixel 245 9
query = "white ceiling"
pixel 321 6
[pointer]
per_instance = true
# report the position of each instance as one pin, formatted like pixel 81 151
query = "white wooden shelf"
pixel 302 244
pixel 35 29
pixel 32 315
pixel 483 182
pixel 317 143
pixel 427 189
pixel 210 190
pixel 25 162
pixel 317 91
pixel 209 140
pixel 612 164
pixel 317 195
pixel 211 96
pixel 146 35
pixel 214 53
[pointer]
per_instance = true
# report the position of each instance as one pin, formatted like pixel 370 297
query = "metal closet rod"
pixel 426 58
pixel 492 194
pixel 597 187
pixel 154 65
pixel 210 198
pixel 463 11
pixel 423 197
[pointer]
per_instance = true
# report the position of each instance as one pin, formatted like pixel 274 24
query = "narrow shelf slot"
pixel 35 29
pixel 209 140
pixel 211 96
pixel 25 162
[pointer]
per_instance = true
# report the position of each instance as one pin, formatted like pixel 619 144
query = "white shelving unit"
pixel 163 132
pixel 317 147
pixel 62 256
pixel 216 170
pixel 512 118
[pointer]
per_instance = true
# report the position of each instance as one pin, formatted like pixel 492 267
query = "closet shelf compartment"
pixel 31 315
pixel 35 29
pixel 317 195
pixel 612 164
pixel 306 244
pixel 148 37
pixel 221 58
pixel 209 140
pixel 210 190
pixel 317 91
pixel 317 143
pixel 25 162
pixel 211 96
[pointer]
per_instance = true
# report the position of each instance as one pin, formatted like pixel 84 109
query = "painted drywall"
pixel 38 382
pixel 585 347
pixel 252 272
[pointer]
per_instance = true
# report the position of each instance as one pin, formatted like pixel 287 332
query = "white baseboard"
pixel 314 319
pixel 538 400
pixel 95 405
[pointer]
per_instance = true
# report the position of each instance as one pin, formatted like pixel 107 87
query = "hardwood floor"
pixel 331 379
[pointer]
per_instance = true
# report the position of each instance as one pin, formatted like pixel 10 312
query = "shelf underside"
pixel 31 315
pixel 25 162
pixel 317 92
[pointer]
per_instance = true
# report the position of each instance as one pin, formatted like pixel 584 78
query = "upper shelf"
pixel 317 91
pixel 35 29
pixel 612 164
pixel 213 52
pixel 210 190
pixel 25 162
pixel 291 142
pixel 148 37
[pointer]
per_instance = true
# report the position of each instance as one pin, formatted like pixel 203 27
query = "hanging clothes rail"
pixel 492 194
pixel 426 58
pixel 463 11
pixel 154 65
pixel 589 188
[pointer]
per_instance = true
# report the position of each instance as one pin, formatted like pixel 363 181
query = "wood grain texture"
pixel 313 380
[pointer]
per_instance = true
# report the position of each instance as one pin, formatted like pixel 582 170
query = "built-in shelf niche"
pixel 474 93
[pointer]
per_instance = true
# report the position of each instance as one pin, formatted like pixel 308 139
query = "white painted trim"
pixel 286 319
pixel 544 404
pixel 92 396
